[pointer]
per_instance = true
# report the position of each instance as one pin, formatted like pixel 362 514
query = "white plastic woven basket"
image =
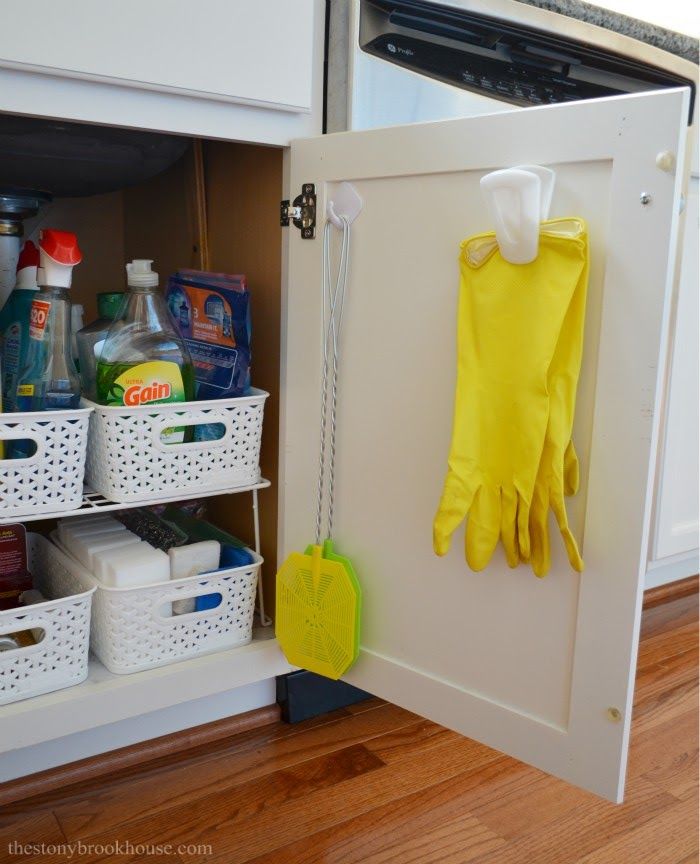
pixel 127 461
pixel 60 659
pixel 51 480
pixel 130 633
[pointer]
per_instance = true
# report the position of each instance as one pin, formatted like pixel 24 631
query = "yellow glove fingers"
pixel 509 524
pixel 454 505
pixel 541 558
pixel 559 508
pixel 571 470
pixel 523 528
pixel 483 527
pixel 540 552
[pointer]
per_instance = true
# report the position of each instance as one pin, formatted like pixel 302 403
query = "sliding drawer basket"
pixel 60 658
pixel 127 461
pixel 134 628
pixel 51 480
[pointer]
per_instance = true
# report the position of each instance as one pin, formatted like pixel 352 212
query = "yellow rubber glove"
pixel 509 320
pixel 558 472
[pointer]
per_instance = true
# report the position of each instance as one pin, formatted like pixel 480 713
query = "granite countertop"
pixel 675 43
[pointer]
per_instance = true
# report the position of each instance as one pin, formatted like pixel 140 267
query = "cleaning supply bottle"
pixel 76 323
pixel 14 322
pixel 91 338
pixel 144 360
pixel 2 443
pixel 49 380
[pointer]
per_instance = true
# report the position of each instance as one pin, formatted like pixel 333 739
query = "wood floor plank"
pixel 668 839
pixel 662 678
pixel 200 821
pixel 365 705
pixel 665 745
pixel 667 755
pixel 420 739
pixel 459 841
pixel 582 829
pixel 30 830
pixel 665 708
pixel 680 778
pixel 530 804
pixel 356 840
pixel 667 616
pixel 663 646
pixel 120 803
pixel 239 836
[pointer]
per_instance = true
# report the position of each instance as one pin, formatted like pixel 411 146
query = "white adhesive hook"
pixel 345 201
pixel 547 178
pixel 518 199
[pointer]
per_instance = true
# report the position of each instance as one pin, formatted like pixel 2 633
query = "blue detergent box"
pixel 212 313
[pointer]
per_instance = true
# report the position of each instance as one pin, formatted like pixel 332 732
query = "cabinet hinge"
pixel 302 212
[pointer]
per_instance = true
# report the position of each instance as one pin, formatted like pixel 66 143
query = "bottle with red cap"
pixel 14 322
pixel 49 380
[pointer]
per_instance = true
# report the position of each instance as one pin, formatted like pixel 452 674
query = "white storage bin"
pixel 61 658
pixel 130 633
pixel 127 461
pixel 50 481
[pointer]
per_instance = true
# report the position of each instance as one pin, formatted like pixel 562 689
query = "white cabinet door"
pixel 677 483
pixel 168 65
pixel 540 669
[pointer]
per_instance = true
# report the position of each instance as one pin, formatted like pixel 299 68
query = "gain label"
pixel 152 383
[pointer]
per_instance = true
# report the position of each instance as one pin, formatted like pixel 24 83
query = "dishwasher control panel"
pixel 502 59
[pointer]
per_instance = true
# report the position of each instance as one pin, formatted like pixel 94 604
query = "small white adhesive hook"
pixel 513 200
pixel 547 178
pixel 344 200
pixel 518 199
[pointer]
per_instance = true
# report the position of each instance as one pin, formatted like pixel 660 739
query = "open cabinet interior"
pixel 216 208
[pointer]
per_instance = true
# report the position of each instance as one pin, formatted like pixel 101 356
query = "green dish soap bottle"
pixel 91 339
pixel 144 361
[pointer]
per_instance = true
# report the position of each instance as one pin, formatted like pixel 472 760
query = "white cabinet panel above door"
pixel 540 669
pixel 238 50
pixel 169 65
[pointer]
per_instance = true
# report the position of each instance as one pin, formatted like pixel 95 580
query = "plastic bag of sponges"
pixel 212 313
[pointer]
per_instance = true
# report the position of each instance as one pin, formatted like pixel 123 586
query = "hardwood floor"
pixel 374 784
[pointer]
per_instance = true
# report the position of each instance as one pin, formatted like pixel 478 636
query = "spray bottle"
pixel 49 380
pixel 14 322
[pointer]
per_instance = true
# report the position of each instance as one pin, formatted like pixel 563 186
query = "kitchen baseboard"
pixel 135 754
pixel 671 591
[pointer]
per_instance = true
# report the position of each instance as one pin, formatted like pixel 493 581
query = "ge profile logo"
pixel 397 49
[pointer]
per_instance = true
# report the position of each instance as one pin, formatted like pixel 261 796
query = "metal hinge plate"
pixel 302 212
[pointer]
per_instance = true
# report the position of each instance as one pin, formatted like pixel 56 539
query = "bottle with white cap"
pixel 49 380
pixel 144 360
